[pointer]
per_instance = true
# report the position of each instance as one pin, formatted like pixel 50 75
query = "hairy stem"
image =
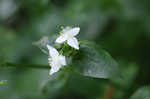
pixel 26 65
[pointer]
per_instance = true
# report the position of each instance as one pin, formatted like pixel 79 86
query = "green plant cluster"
pixel 115 35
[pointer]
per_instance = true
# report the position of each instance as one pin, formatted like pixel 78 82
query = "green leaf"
pixel 55 83
pixel 93 61
pixel 142 93
pixel 62 84
pixel 3 82
pixel 129 72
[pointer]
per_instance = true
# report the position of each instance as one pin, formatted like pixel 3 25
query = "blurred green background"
pixel 122 27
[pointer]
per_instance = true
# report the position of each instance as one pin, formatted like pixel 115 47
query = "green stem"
pixel 26 66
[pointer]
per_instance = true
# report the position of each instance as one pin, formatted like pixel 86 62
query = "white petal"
pixel 73 42
pixel 52 51
pixel 62 60
pixel 74 31
pixel 53 70
pixel 54 67
pixel 62 38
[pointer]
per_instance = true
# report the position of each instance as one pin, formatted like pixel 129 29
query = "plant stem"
pixel 109 92
pixel 26 66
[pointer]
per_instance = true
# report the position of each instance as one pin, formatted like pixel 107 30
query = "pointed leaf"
pixel 142 93
pixel 93 61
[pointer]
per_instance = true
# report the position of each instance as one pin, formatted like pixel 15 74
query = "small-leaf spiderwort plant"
pixel 56 60
pixel 82 57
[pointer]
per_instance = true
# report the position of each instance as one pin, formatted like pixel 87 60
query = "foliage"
pixel 114 35
pixel 3 82
pixel 142 93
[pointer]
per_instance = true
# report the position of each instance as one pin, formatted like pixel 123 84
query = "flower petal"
pixel 52 51
pixel 62 38
pixel 73 42
pixel 62 60
pixel 54 68
pixel 74 31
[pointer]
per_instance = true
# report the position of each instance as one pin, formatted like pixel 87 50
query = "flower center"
pixel 69 35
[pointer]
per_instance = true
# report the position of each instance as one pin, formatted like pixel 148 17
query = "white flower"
pixel 55 60
pixel 68 34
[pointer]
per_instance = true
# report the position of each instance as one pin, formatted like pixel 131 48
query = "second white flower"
pixel 56 61
pixel 68 34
